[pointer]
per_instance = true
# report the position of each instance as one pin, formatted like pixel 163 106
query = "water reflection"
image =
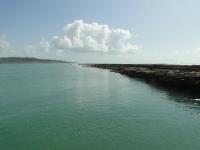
pixel 189 97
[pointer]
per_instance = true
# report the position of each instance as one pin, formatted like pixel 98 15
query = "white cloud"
pixel 4 44
pixel 44 45
pixel 94 37
pixel 77 37
pixel 42 49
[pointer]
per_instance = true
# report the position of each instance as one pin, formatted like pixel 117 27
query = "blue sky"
pixel 165 31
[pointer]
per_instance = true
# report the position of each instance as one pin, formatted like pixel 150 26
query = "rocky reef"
pixel 179 75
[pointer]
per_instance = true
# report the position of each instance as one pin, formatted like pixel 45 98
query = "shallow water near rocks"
pixel 65 106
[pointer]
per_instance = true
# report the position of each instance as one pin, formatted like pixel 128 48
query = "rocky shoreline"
pixel 179 75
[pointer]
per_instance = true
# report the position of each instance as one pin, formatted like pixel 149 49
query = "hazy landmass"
pixel 22 60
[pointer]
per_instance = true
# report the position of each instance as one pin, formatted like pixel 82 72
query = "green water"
pixel 68 107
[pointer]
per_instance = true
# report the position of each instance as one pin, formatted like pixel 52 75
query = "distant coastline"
pixel 24 60
pixel 176 75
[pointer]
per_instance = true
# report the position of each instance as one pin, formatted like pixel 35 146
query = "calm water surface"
pixel 68 107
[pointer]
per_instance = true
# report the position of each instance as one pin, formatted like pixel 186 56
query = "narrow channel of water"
pixel 64 106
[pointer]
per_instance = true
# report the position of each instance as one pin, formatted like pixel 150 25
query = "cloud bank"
pixel 78 37
pixel 94 37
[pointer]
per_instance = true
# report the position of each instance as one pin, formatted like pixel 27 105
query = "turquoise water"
pixel 68 107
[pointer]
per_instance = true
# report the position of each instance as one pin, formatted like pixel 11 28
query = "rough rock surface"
pixel 188 75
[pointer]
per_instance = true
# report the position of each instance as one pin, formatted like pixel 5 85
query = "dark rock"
pixel 181 75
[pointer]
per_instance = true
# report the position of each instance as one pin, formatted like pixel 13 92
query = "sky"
pixel 104 31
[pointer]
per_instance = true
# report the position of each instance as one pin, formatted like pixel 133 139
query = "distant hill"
pixel 22 60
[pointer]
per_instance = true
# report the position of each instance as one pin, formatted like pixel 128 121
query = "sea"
pixel 70 107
